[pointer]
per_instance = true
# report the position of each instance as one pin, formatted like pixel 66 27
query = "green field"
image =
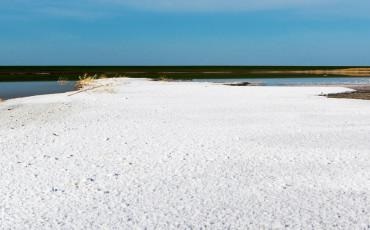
pixel 48 73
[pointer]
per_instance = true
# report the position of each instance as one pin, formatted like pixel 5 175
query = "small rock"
pixel 239 84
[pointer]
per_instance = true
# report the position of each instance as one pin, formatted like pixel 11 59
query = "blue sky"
pixel 178 32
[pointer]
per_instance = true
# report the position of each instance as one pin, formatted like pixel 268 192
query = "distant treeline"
pixel 47 73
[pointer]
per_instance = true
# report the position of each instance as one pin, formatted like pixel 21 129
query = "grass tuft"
pixel 85 80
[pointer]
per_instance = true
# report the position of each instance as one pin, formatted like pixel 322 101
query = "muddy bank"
pixel 362 92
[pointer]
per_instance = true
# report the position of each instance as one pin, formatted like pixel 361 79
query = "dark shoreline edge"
pixel 361 93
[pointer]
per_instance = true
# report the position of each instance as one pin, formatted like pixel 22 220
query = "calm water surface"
pixel 10 90
pixel 295 81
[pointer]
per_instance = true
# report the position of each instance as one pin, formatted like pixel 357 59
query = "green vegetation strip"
pixel 53 73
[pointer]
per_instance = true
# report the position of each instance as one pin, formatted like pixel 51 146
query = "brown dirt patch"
pixel 362 92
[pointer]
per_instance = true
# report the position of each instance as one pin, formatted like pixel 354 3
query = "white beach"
pixel 141 154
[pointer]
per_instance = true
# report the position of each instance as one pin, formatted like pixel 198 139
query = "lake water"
pixel 295 81
pixel 10 90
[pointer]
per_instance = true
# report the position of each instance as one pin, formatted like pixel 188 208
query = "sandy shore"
pixel 169 155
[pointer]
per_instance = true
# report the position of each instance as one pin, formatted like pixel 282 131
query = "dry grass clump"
pixel 88 82
pixel 85 80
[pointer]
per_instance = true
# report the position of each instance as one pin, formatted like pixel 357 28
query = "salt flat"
pixel 140 154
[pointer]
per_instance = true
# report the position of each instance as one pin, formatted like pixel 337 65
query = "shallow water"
pixel 10 90
pixel 295 81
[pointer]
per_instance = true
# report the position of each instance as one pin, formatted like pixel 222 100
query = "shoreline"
pixel 361 92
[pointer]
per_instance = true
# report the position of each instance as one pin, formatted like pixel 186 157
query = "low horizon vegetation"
pixel 73 73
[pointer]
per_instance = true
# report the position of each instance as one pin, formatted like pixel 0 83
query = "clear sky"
pixel 184 32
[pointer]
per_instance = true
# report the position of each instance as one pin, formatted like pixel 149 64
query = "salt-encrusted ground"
pixel 167 155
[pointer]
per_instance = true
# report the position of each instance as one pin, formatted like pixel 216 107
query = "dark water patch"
pixel 9 90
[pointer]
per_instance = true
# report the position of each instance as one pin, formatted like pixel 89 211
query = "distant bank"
pixel 45 73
